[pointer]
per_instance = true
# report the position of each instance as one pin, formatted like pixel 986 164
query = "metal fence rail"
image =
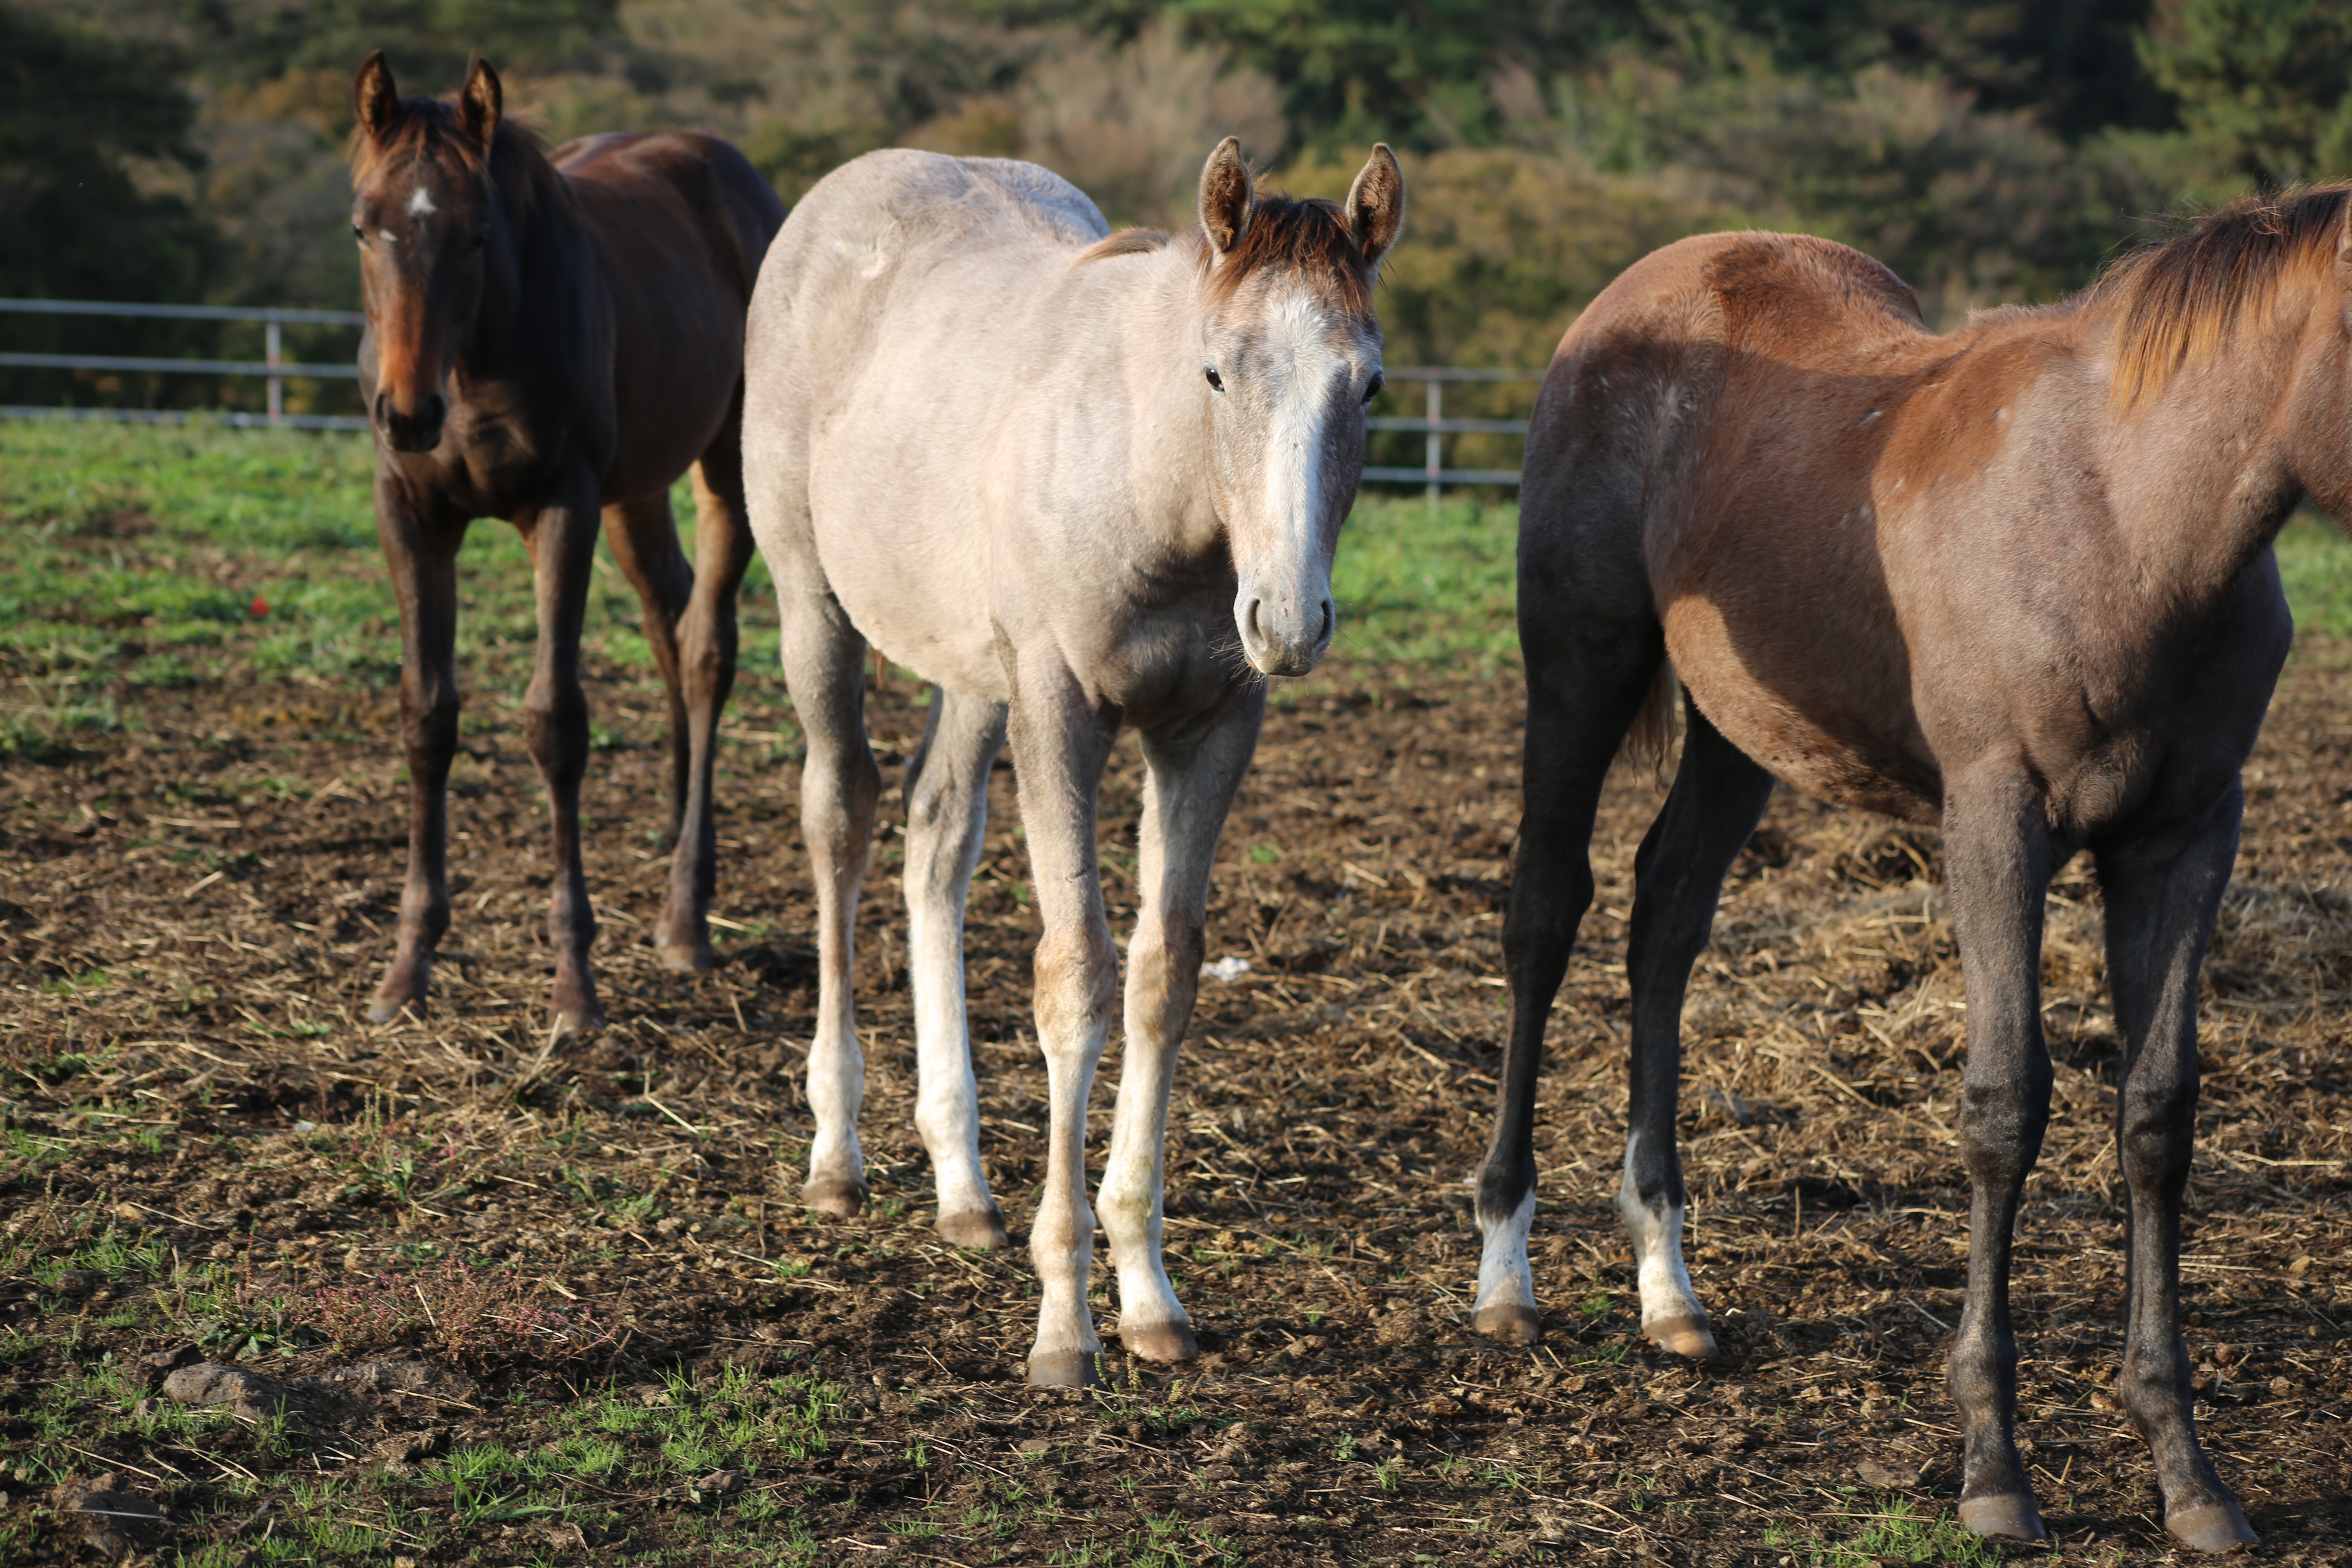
pixel 1432 473
pixel 273 365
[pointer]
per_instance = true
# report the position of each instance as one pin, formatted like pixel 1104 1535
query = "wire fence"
pixel 273 367
pixel 277 370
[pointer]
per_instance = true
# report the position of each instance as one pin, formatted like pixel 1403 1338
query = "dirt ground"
pixel 191 917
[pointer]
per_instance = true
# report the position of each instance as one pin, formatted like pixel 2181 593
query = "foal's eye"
pixel 481 238
pixel 359 232
pixel 1216 382
pixel 1379 383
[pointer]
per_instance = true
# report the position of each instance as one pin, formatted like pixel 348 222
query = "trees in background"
pixel 1988 152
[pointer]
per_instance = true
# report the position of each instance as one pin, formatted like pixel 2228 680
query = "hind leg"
pixel 644 537
pixel 1586 677
pixel 824 667
pixel 2161 893
pixel 947 813
pixel 1718 796
pixel 706 647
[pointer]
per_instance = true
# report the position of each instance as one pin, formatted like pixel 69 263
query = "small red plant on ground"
pixel 479 1316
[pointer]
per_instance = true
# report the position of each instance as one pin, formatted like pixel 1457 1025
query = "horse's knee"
pixel 428 712
pixel 1076 984
pixel 2157 1137
pixel 2002 1123
pixel 1164 974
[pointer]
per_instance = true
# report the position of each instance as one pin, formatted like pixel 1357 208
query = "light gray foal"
pixel 1059 474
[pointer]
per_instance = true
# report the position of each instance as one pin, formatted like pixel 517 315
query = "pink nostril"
pixel 1250 627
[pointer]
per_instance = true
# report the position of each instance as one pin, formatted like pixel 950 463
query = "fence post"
pixel 1436 413
pixel 271 352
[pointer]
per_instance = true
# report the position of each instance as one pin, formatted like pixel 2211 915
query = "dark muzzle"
pixel 418 431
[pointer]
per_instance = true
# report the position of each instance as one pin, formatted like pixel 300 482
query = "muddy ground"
pixel 191 916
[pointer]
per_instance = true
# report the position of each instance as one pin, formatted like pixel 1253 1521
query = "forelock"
pixel 1308 240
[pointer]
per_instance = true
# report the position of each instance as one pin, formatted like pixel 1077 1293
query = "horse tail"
pixel 1650 744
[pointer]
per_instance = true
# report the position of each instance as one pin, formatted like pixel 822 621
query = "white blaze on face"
pixel 1300 377
pixel 1298 356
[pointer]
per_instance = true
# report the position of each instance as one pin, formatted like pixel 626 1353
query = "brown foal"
pixel 547 338
pixel 2016 580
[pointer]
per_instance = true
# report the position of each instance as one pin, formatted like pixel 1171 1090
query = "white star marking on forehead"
pixel 420 203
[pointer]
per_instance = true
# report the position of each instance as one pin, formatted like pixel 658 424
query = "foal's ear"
pixel 375 95
pixel 479 102
pixel 1227 198
pixel 1376 204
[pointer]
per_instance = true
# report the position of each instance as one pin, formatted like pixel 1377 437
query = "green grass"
pixel 1421 584
pixel 1895 1531
pixel 149 559
pixel 2315 565
pixel 141 556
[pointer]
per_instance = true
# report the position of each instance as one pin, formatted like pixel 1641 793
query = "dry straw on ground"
pixel 191 921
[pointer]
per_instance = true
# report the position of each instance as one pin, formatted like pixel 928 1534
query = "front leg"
pixel 1060 741
pixel 562 543
pixel 1192 773
pixel 422 552
pixel 1999 859
pixel 2162 892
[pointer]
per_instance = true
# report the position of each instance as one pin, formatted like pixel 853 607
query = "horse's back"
pixel 702 180
pixel 892 260
pixel 680 224
pixel 884 227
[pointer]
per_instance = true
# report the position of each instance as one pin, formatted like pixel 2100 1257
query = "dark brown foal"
pixel 550 339
pixel 2016 580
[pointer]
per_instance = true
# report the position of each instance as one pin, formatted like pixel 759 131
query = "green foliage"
pixel 89 126
pixel 2265 84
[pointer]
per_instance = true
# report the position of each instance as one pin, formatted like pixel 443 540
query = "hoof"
pixel 1160 1342
pixel 1508 1322
pixel 384 1009
pixel 843 1198
pixel 1065 1369
pixel 2216 1527
pixel 982 1230
pixel 2011 1517
pixel 686 957
pixel 1681 1336
pixel 576 1020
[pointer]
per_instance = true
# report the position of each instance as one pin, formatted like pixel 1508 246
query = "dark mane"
pixel 2177 298
pixel 427 130
pixel 1126 242
pixel 1308 237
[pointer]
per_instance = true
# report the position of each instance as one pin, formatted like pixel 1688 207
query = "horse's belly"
pixel 1839 735
pixel 919 594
